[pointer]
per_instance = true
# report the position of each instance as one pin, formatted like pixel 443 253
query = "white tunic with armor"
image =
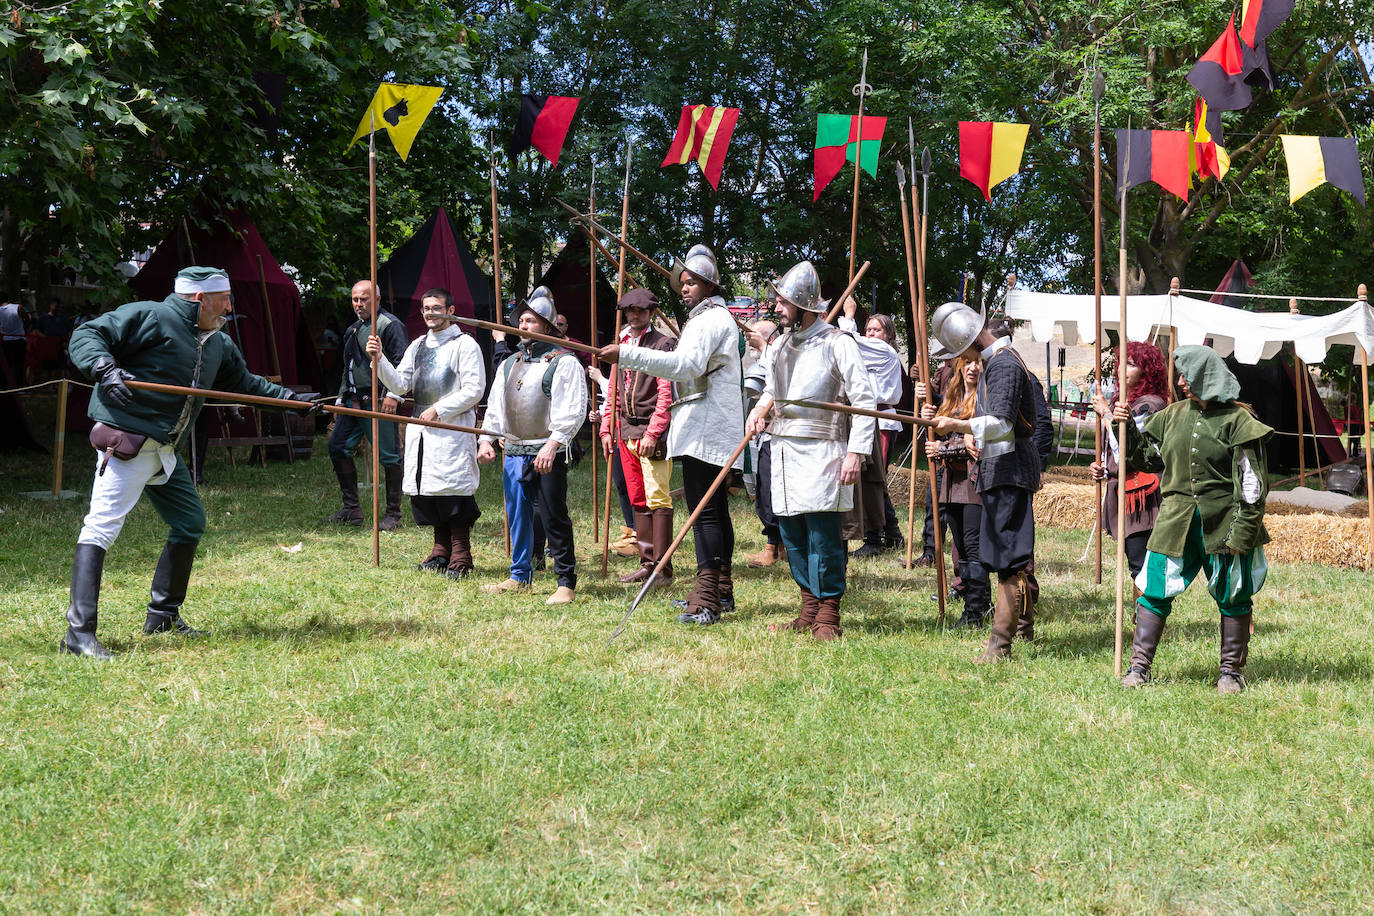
pixel 521 409
pixel 444 370
pixel 707 411
pixel 809 445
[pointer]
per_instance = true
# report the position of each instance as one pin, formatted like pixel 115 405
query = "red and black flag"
pixel 1212 160
pixel 1219 75
pixel 1161 156
pixel 1258 20
pixel 544 122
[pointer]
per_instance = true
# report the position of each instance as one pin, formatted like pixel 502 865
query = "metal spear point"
pixel 1099 86
pixel 901 178
pixel 926 169
pixel 862 88
pixel 911 145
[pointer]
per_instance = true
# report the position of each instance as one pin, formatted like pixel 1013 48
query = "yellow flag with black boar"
pixel 399 110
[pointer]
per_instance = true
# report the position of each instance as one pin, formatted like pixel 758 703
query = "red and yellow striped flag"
pixel 703 134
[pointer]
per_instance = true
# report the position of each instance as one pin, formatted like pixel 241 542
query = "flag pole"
pixel 1121 427
pixel 925 369
pixel 498 306
pixel 918 341
pixel 612 388
pixel 861 89
pixel 591 385
pixel 1099 85
pixel 372 256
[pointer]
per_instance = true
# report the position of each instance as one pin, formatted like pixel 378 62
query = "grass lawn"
pixel 352 739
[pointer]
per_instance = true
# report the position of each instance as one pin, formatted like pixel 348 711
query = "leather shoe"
pixel 561 595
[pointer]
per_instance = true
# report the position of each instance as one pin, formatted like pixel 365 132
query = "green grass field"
pixel 352 739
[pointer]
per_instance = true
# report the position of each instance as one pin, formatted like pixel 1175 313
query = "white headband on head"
pixel 216 283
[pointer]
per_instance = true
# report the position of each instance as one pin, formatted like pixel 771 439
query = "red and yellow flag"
pixel 990 152
pixel 703 134
pixel 1212 160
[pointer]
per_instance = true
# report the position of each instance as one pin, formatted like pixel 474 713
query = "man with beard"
pixel 707 422
pixel 817 454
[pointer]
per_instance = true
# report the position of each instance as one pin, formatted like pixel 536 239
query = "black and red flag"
pixel 1258 20
pixel 1219 75
pixel 544 122
pixel 1161 156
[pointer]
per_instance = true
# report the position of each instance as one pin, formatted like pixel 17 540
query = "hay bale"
pixel 899 486
pixel 1317 538
pixel 1066 505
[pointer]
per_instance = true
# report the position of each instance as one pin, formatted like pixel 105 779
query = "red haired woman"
pixel 958 487
pixel 1147 392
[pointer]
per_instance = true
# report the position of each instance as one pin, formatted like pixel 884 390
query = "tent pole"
pixel 1368 439
pixel 615 367
pixel 497 304
pixel 1300 389
pixel 372 257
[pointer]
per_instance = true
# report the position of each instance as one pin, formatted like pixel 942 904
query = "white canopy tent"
pixel 1250 336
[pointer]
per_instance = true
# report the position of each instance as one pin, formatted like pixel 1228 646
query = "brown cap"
pixel 639 298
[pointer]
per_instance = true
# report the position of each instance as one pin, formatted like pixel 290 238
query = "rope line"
pixel 45 385
pixel 1212 292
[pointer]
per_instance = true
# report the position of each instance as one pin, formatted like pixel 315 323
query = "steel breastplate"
pixel 434 375
pixel 695 389
pixel 805 370
pixel 527 410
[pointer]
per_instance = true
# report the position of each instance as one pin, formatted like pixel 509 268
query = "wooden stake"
pixel 59 437
pixel 372 248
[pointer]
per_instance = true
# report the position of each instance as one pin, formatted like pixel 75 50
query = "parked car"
pixel 744 308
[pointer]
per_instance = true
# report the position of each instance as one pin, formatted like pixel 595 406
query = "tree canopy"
pixel 131 115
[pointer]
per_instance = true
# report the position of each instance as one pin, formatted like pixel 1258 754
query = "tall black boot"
pixel 1149 627
pixel 351 513
pixel 392 520
pixel 169 590
pixel 87 567
pixel 1235 648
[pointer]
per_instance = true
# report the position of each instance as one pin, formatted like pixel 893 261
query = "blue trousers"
pixel 815 551
pixel 527 492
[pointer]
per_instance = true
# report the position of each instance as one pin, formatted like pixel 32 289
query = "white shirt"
pixel 884 366
pixel 449 457
pixel 710 427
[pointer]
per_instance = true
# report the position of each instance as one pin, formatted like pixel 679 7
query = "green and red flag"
pixel 543 124
pixel 399 110
pixel 1161 156
pixel 990 152
pixel 1314 160
pixel 837 142
pixel 703 134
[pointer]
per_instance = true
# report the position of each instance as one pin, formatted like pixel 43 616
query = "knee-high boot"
pixel 1235 649
pixel 1010 592
pixel 352 512
pixel 460 553
pixel 1149 627
pixel 644 541
pixel 88 565
pixel 170 579
pixel 392 519
pixel 663 539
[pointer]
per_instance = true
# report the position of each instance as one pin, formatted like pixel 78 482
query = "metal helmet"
pixel 541 303
pixel 956 327
pixel 801 286
pixel 700 262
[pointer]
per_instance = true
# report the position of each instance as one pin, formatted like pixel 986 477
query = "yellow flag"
pixel 1306 166
pixel 399 110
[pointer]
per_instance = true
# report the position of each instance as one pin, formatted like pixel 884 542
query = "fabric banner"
pixel 837 141
pixel 1313 161
pixel 990 152
pixel 543 124
pixel 703 134
pixel 398 109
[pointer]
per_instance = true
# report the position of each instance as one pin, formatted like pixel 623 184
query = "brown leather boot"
pixel 827 624
pixel 460 554
pixel 1235 649
pixel 644 542
pixel 1004 618
pixel 725 588
pixel 703 604
pixel 437 561
pixel 1149 627
pixel 810 604
pixel 392 519
pixel 662 540
pixel 770 554
pixel 1025 621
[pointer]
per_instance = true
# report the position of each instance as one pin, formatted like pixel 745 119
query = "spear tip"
pixel 1099 86
pixel 925 160
pixel 901 176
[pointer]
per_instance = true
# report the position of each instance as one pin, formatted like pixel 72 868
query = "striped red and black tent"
pixel 433 257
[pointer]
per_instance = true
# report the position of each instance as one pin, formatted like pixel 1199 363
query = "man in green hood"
pixel 137 436
pixel 1209 450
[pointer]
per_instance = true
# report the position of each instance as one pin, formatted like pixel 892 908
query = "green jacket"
pixel 1200 454
pixel 159 342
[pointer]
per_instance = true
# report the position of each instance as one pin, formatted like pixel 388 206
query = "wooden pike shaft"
pixel 617 239
pixel 372 258
pixel 497 304
pixel 1363 296
pixel 917 332
pixel 848 291
pixel 596 342
pixel 906 418
pixel 925 370
pixel 1121 439
pixel 1097 312
pixel 629 280
pixel 615 371
pixel 682 532
pixel 861 90
pixel 532 335
pixel 267 316
pixel 284 404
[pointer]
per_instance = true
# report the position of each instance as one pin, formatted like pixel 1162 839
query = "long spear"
pixel 531 335
pixel 283 403
pixel 848 291
pixel 862 89
pixel 629 278
pixel 1121 427
pixel 925 368
pixel 496 286
pixel 615 367
pixel 372 247
pixel 1099 86
pixel 591 385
